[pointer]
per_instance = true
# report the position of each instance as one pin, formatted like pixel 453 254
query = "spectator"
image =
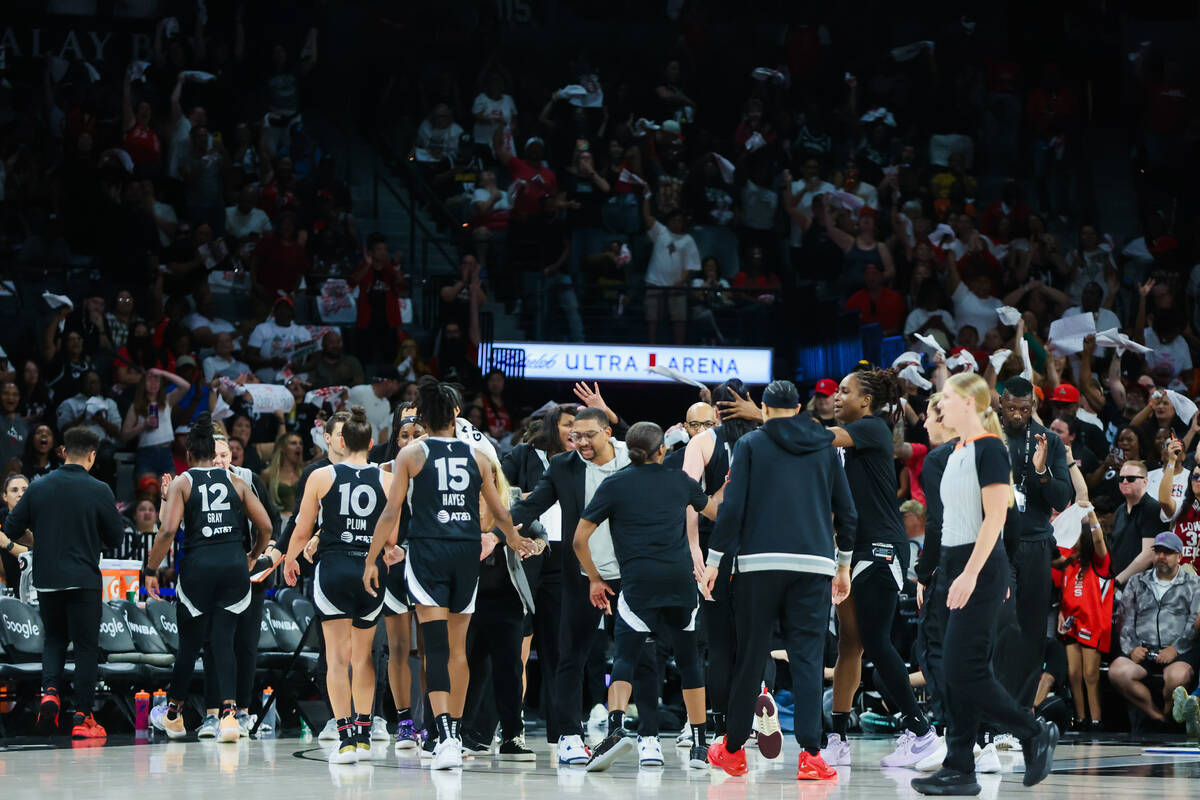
pixel 123 317
pixel 203 187
pixel 14 485
pixel 1170 484
pixel 223 363
pixel 411 366
pixel 35 395
pixel 1090 263
pixel 1169 352
pixel 438 134
pixel 283 473
pixel 493 111
pixel 710 295
pixel 381 286
pixel 753 284
pixel 244 221
pixel 1066 427
pixel 877 303
pixel 753 121
pixel 1105 484
pixel 90 409
pixel 376 399
pixel 166 221
pixel 149 419
pixel 203 323
pixel 859 250
pixel 533 180
pixel 974 304
pixel 271 343
pixel 675 255
pixel 241 428
pixel 42 454
pixel 1182 515
pixel 13 429
pixel 332 366
pixel 1158 609
pixel 280 260
pixel 1086 614
pixel 68 362
pixel 929 317
pixel 498 423
pixel 141 140
pixel 283 92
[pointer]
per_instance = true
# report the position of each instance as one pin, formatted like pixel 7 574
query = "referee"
pixel 72 515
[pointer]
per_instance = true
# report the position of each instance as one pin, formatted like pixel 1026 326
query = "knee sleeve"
pixel 628 645
pixel 687 659
pixel 437 655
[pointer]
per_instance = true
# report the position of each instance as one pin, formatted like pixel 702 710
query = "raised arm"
pixel 839 237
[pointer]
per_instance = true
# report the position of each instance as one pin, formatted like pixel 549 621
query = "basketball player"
pixel 444 550
pixel 214 574
pixel 644 505
pixel 348 498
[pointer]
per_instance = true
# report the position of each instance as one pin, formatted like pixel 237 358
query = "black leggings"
pixel 69 616
pixel 216 628
pixel 494 645
pixel 722 637
pixel 973 695
pixel 875 600
pixel 245 650
pixel 630 632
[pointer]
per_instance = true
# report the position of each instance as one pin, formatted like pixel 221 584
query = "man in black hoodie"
pixel 787 492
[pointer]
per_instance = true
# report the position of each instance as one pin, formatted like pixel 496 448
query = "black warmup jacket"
pixel 72 515
pixel 787 492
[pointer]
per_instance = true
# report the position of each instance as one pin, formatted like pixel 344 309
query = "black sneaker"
pixel 472 746
pixel 1039 753
pixel 610 749
pixel 428 745
pixel 699 758
pixel 947 782
pixel 515 750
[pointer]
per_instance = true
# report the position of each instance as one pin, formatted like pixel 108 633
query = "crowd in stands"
pixel 179 242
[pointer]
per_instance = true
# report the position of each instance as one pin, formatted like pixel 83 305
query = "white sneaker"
pixel 447 755
pixel 987 760
pixel 572 751
pixel 173 728
pixel 344 753
pixel 208 728
pixel 933 761
pixel 329 733
pixel 1006 741
pixel 379 731
pixel 836 751
pixel 684 740
pixel 650 752
pixel 597 717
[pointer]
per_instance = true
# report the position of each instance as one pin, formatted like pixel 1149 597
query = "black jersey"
pixel 717 467
pixel 444 495
pixel 213 513
pixel 871 471
pixel 350 509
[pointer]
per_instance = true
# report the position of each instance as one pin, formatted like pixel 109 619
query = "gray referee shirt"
pixel 974 464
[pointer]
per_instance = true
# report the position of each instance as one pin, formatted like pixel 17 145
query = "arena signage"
pixel 626 362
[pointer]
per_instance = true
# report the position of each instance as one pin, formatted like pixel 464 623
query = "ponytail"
pixel 991 423
pixel 643 440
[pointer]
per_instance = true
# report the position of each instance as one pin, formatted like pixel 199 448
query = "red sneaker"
pixel 87 728
pixel 733 763
pixel 814 768
pixel 47 722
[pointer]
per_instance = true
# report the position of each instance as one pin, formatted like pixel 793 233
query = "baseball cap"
pixel 1169 540
pixel 781 394
pixel 826 387
pixel 532 140
pixel 283 299
pixel 1065 393
pixel 184 361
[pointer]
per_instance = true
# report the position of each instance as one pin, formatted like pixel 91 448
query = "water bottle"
pixel 141 711
pixel 160 698
pixel 270 718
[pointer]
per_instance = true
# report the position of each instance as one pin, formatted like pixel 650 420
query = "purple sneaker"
pixel 836 751
pixel 911 749
pixel 407 736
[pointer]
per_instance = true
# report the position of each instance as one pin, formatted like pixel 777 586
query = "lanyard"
pixel 1026 457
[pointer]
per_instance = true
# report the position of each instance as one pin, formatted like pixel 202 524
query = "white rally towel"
pixel 571 90
pixel 908 357
pixel 626 176
pixel 198 76
pixel 667 372
pixel 57 300
pixel 1008 315
pixel 1185 408
pixel 1067 525
pixel 851 202
pixel 755 141
pixel 962 359
pixel 913 376
pixel 725 166
pixel 1067 334
pixel 998 358
pixel 768 74
pixel 1114 338
pixel 941 234
pixel 929 342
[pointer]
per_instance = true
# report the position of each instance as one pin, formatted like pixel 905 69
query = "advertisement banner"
pixel 632 362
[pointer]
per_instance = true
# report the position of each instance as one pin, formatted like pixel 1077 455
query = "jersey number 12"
pixel 220 497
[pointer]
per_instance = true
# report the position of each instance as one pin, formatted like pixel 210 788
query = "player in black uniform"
pixel 706 459
pixel 348 498
pixel 444 550
pixel 878 564
pixel 645 505
pixel 214 573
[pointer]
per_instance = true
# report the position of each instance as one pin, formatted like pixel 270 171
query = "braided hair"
pixel 437 402
pixel 883 385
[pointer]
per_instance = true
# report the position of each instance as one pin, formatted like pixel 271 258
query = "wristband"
pixel 844 558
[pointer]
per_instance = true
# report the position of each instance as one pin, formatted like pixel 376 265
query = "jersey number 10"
pixel 360 499
pixel 452 474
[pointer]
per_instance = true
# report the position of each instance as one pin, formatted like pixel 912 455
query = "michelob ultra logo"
pixel 567 361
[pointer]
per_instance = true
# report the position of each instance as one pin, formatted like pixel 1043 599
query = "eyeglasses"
pixel 706 424
pixel 1132 478
pixel 580 436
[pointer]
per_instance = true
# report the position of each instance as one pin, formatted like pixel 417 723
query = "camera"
pixel 1151 654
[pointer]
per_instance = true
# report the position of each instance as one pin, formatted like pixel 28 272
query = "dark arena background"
pixel 271 212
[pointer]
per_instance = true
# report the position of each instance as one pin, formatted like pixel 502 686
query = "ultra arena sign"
pixel 625 362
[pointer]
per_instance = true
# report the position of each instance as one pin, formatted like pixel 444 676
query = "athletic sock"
pixel 841 723
pixel 445 727
pixel 699 735
pixel 362 723
pixel 345 728
pixel 174 707
pixel 718 724
pixel 616 721
pixel 404 714
pixel 916 723
pixel 455 724
pixel 228 709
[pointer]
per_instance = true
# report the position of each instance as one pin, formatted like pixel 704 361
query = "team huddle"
pixel 766 523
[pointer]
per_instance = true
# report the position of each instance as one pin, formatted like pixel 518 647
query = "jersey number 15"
pixel 452 474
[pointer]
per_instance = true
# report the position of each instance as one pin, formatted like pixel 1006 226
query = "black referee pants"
pixel 547 602
pixel 800 601
pixel 1022 633
pixel 973 695
pixel 578 627
pixel 718 622
pixel 931 635
pixel 71 616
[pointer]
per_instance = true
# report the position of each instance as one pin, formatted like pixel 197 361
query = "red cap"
pixel 283 298
pixel 826 387
pixel 1041 396
pixel 1065 393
